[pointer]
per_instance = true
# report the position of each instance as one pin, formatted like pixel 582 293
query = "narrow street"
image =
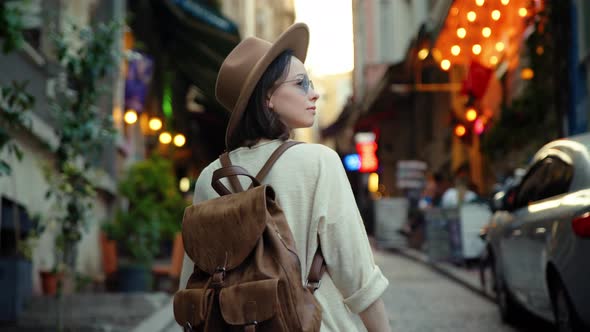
pixel 421 300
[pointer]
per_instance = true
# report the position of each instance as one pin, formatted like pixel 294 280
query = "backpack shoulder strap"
pixel 233 180
pixel 273 158
pixel 318 268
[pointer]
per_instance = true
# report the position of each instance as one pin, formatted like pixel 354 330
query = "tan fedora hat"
pixel 245 64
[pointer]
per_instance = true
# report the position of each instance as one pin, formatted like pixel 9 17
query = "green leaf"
pixel 17 152
pixel 4 168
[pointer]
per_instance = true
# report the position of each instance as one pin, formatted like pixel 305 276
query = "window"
pixel 14 223
pixel 529 188
pixel 548 178
pixel 557 178
pixel 31 20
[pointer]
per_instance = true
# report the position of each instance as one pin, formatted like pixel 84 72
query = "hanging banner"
pixel 478 78
pixel 137 81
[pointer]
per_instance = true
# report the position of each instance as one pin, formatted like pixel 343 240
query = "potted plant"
pixel 15 103
pixel 153 209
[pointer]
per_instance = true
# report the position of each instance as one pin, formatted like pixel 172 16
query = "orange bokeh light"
pixel 471 114
pixel 485 31
pixel 496 14
pixel 460 130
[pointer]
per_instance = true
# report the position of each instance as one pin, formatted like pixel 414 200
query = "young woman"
pixel 268 91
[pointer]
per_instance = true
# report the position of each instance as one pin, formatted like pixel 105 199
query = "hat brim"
pixel 296 38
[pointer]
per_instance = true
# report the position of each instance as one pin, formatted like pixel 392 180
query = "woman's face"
pixel 293 98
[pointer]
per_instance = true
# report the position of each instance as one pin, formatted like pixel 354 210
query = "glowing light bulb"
pixel 460 130
pixel 476 49
pixel 499 46
pixel 494 60
pixel 179 140
pixel 486 32
pixel 461 33
pixel 471 114
pixel 527 74
pixel 445 64
pixel 184 185
pixel 471 16
pixel 505 2
pixel 522 12
pixel 155 124
pixel 423 54
pixel 455 50
pixel 479 2
pixel 165 138
pixel 496 14
pixel 130 116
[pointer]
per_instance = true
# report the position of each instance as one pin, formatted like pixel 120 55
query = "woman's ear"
pixel 269 103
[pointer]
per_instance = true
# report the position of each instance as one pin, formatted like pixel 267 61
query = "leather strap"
pixel 233 180
pixel 273 159
pixel 227 172
pixel 318 268
pixel 250 328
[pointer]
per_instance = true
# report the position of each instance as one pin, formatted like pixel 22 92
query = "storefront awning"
pixel 187 37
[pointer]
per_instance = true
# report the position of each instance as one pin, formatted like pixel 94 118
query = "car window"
pixel 530 188
pixel 547 178
pixel 557 178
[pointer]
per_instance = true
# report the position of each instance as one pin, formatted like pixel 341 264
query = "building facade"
pixel 265 19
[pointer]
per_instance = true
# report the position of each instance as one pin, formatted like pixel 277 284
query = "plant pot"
pixel 134 278
pixel 49 282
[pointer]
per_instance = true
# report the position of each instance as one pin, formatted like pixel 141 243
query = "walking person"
pixel 266 88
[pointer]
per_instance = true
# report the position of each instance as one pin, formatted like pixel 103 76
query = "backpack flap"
pixel 249 302
pixel 192 306
pixel 221 232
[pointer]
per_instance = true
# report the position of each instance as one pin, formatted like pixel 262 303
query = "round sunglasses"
pixel 303 82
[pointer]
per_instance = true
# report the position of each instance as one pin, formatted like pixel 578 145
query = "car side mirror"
pixel 498 201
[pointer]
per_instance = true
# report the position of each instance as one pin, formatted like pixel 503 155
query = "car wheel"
pixel 510 311
pixel 566 318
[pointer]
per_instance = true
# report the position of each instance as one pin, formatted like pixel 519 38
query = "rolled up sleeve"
pixel 343 239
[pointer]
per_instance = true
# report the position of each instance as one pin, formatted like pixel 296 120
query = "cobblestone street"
pixel 421 300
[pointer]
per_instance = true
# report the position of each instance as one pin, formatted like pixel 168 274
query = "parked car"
pixel 538 240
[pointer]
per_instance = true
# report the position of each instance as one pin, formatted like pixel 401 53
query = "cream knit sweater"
pixel 314 192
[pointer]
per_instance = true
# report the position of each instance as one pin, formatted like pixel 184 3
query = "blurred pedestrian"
pixel 431 194
pixel 458 194
pixel 268 92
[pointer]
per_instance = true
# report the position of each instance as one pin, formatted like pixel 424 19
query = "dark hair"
pixel 258 121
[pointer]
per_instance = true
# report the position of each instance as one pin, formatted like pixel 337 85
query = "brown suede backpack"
pixel 247 275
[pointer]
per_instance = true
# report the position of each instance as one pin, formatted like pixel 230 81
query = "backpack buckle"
pixel 218 276
pixel 313 285
pixel 188 327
